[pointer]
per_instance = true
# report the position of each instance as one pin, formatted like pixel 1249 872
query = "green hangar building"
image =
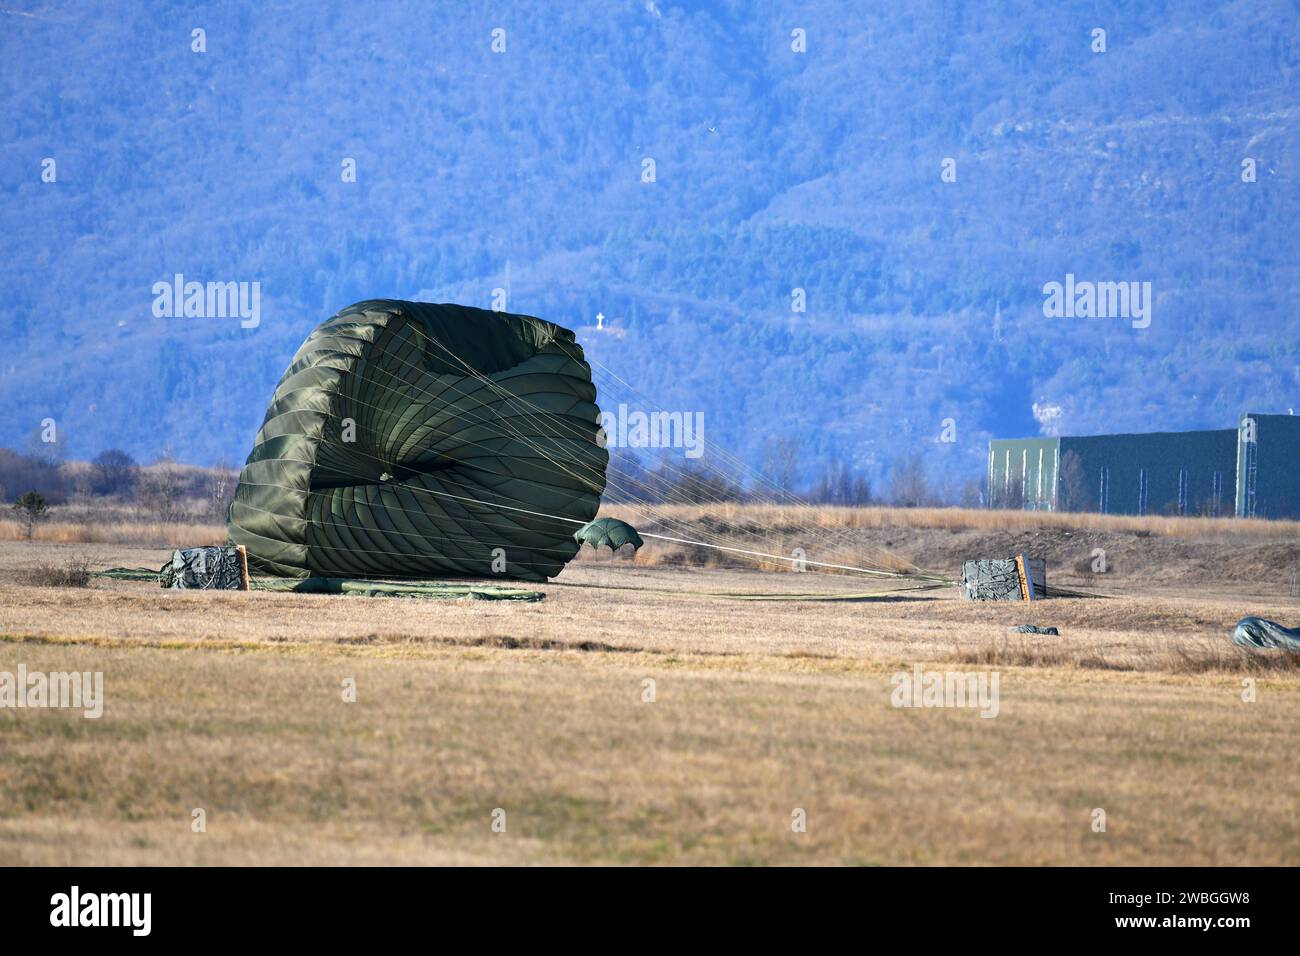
pixel 1250 471
pixel 1268 466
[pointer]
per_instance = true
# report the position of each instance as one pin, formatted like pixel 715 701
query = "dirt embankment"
pixel 1081 557
pixel 1121 558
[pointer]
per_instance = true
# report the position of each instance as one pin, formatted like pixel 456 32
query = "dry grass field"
pixel 233 703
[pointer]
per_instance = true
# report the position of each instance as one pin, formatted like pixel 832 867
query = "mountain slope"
pixel 774 171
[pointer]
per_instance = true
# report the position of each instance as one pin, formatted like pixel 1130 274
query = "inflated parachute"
pixel 409 440
pixel 608 533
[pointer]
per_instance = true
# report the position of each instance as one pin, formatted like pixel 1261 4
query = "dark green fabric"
pixel 445 467
pixel 608 533
pixel 424 589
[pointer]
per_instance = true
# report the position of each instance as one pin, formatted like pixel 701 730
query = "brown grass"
pixel 152 533
pixel 112 523
pixel 833 516
pixel 231 702
pixel 1184 655
pixel 588 772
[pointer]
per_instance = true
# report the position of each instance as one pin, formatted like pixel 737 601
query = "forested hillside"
pixel 774 171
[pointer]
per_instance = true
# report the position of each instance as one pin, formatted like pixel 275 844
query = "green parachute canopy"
pixel 608 533
pixel 409 440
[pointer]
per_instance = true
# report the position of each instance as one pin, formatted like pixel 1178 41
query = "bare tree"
pixel 43 447
pixel 113 472
pixel 160 490
pixel 781 461
pixel 626 477
pixel 693 483
pixel 839 485
pixel 219 489
pixel 37 474
pixel 83 487
pixel 1073 485
pixel 909 487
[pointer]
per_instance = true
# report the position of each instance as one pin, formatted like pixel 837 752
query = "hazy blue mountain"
pixel 775 170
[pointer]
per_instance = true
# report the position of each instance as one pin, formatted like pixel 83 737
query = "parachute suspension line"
pixel 702 544
pixel 838 536
pixel 552 414
pixel 510 397
pixel 936 579
pixel 664 519
pixel 841 537
pixel 779 557
pixel 929 582
pixel 419 490
pixel 524 404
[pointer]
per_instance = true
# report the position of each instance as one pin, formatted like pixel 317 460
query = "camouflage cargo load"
pixel 208 569
pixel 992 579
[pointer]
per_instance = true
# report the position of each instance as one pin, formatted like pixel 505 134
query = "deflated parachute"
pixel 1256 632
pixel 415 440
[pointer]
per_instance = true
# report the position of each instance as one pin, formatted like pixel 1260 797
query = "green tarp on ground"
pixel 404 589
pixel 409 440
pixel 347 586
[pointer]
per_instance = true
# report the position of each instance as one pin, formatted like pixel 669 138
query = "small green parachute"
pixel 608 532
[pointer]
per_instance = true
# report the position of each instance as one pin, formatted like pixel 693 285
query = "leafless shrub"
pixel 74 572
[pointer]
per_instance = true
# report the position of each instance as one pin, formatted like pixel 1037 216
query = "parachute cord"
pixel 818 564
pixel 653 513
pixel 703 544
pixel 499 389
